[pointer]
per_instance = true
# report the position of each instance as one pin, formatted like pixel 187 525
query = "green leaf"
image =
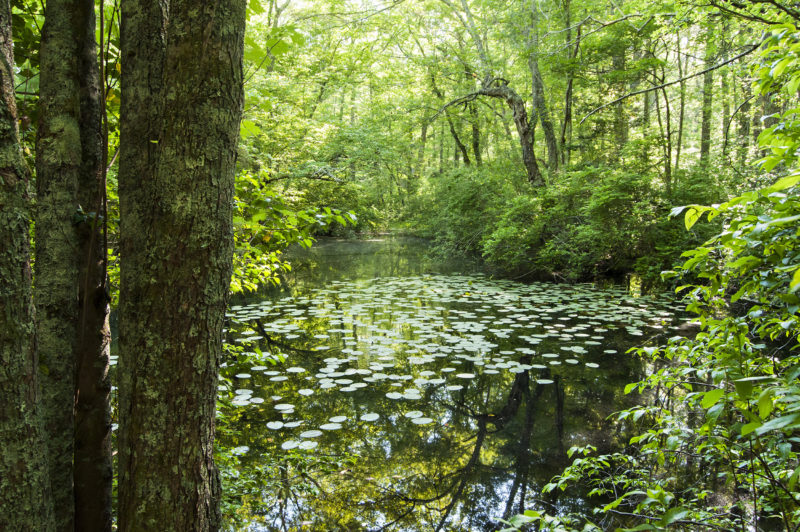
pixel 248 129
pixel 672 515
pixel 788 421
pixel 783 183
pixel 693 215
pixel 711 398
pixel 794 284
pixel 744 388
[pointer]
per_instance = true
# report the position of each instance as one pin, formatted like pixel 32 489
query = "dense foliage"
pixel 717 438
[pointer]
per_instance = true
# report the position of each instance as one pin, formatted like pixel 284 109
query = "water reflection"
pixel 373 394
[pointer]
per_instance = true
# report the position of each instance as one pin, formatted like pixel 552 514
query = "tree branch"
pixel 750 50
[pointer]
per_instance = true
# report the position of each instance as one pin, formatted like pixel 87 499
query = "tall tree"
pixel 25 502
pixel 181 106
pixel 70 286
pixel 58 160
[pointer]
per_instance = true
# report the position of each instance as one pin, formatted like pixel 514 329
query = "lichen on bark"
pixel 25 504
pixel 181 106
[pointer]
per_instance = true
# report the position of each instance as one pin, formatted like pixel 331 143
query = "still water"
pixel 379 389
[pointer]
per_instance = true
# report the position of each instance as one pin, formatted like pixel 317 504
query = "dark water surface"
pixel 383 390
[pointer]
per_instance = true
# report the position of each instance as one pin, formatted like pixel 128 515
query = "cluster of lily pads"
pixel 411 336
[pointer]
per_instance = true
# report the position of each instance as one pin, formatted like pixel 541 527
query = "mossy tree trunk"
pixel 70 269
pixel 181 105
pixel 25 502
pixel 58 161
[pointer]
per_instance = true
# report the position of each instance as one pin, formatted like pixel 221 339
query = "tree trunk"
pixel 25 503
pixel 460 147
pixel 58 164
pixel 93 463
pixel 538 93
pixel 421 150
pixel 520 116
pixel 566 124
pixel 181 105
pixel 70 269
pixel 681 107
pixel 620 120
pixel 743 132
pixel 476 133
pixel 708 95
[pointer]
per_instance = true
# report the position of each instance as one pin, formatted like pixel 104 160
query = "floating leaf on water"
pixel 337 419
pixel 289 444
pixel 278 378
pixel 394 395
pixel 330 426
pixel 240 450
pixel 592 365
pixel 544 381
pixel 275 425
pixel 422 420
pixel 243 375
pixel 571 361
pixel 295 369
pixel 465 375
pixel 311 434
pixel 305 391
pixel 257 400
pixel 293 424
pixel 243 391
pixel 455 387
pixel 284 406
pixel 370 417
pixel 307 445
pixel 413 414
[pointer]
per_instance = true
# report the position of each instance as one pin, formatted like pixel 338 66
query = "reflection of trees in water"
pixel 505 435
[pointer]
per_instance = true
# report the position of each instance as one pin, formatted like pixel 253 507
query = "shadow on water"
pixel 380 390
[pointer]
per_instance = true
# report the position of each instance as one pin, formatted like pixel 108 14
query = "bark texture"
pixel 181 105
pixel 58 160
pixel 520 115
pixel 92 461
pixel 25 503
pixel 70 270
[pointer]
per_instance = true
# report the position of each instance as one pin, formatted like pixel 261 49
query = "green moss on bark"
pixel 179 126
pixel 25 504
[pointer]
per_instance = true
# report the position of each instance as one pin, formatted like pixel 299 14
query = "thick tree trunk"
pixel 520 116
pixel 182 100
pixel 25 502
pixel 58 164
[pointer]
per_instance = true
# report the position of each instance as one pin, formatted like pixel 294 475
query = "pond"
pixel 383 390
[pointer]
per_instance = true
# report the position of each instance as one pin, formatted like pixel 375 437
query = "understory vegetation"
pixel 655 143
